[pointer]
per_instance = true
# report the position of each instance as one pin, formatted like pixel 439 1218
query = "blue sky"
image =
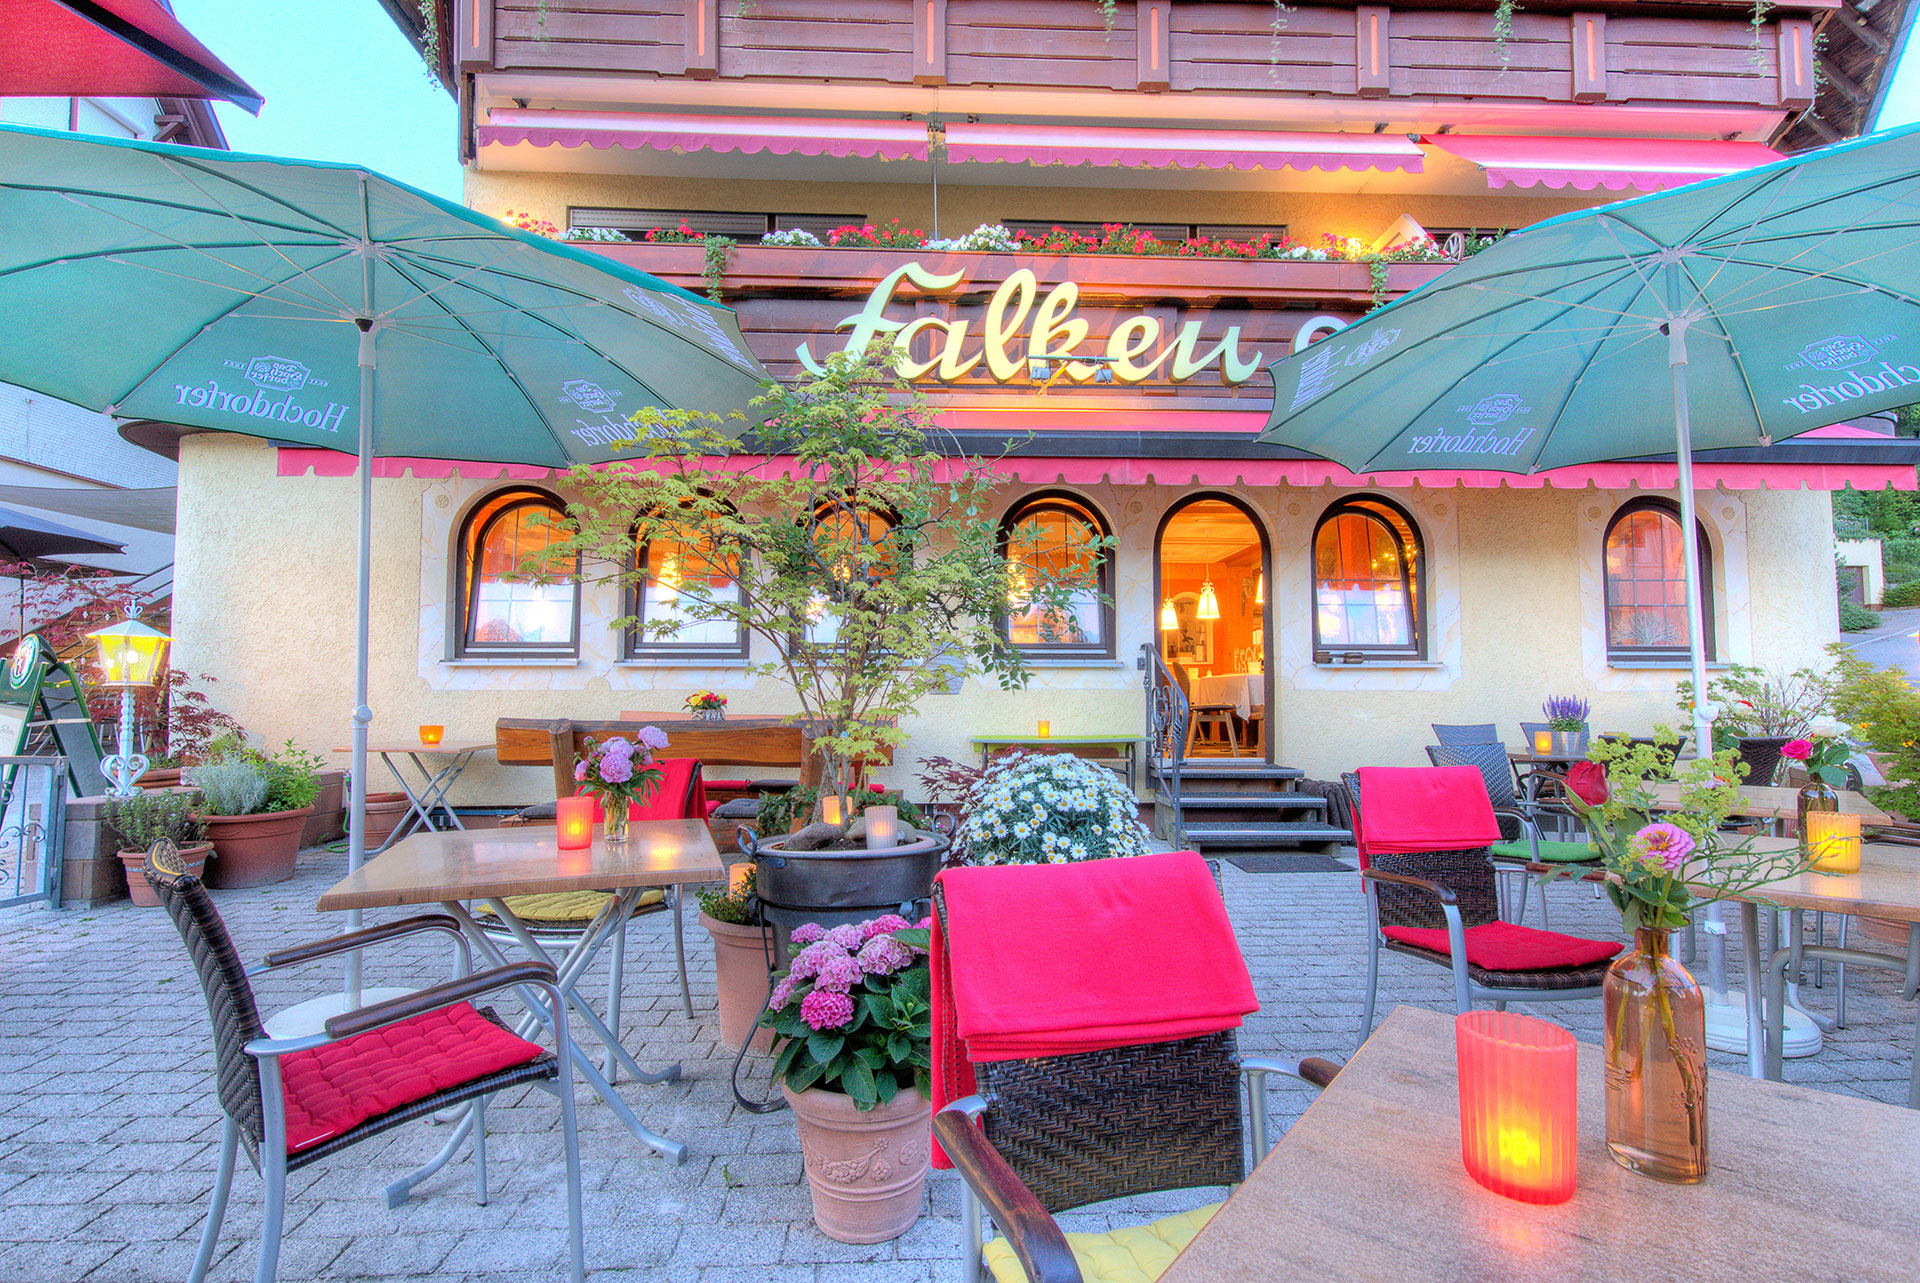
pixel 341 83
pixel 1902 105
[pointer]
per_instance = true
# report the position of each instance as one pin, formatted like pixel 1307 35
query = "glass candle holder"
pixel 1046 729
pixel 832 809
pixel 1543 742
pixel 432 734
pixel 1519 1105
pixel 573 818
pixel 1833 841
pixel 740 878
pixel 883 827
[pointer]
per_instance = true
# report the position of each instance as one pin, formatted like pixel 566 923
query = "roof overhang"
pixel 1617 164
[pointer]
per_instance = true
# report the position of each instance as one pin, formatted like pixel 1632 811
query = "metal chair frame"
pixel 1797 952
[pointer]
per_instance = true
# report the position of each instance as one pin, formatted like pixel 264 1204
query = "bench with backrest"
pixel 767 743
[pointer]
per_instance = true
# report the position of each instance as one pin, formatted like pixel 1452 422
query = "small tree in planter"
pixel 139 821
pixel 256 807
pixel 862 559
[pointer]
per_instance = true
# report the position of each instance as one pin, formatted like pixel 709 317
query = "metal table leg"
pixel 431 796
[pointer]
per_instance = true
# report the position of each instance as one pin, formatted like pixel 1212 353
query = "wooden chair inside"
pixel 1219 717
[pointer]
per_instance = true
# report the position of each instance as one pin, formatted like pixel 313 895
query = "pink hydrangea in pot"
pixel 852 1025
pixel 618 772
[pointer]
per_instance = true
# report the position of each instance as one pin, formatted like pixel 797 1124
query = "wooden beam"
pixel 1153 28
pixel 1795 37
pixel 473 35
pixel 703 39
pixel 1831 73
pixel 1589 57
pixel 1848 17
pixel 1372 66
pixel 929 42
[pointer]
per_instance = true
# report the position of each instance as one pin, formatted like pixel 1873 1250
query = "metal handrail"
pixel 1168 716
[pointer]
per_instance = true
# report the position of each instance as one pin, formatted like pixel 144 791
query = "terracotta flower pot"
pixel 254 850
pixel 159 777
pixel 868 1172
pixel 384 813
pixel 140 891
pixel 740 967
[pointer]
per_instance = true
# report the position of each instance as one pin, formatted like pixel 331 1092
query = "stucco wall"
pixel 264 596
pixel 1307 215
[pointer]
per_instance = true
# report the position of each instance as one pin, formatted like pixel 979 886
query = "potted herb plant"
pixel 1567 720
pixel 740 960
pixel 1047 808
pixel 852 1022
pixel 139 821
pixel 255 806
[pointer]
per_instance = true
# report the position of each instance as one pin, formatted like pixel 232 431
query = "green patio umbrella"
pixel 1776 301
pixel 325 305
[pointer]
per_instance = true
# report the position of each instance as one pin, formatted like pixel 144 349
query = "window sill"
pixel 682 661
pixel 1667 665
pixel 513 661
pixel 1380 663
pixel 1041 661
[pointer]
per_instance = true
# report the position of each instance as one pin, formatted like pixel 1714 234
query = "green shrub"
pixel 145 818
pixel 293 779
pixel 231 786
pixel 725 904
pixel 1901 595
pixel 1902 572
pixel 1854 617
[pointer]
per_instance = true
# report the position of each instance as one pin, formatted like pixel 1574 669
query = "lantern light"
pixel 1209 602
pixel 1169 622
pixel 129 653
pixel 1832 840
pixel 1260 590
pixel 1519 1105
pixel 670 580
pixel 573 817
pixel 883 827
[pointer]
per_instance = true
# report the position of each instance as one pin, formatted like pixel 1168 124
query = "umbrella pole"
pixel 1690 544
pixel 362 602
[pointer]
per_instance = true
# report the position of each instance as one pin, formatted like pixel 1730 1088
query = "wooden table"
pixel 435 780
pixel 448 868
pixel 1119 748
pixel 1369 1185
pixel 1762 803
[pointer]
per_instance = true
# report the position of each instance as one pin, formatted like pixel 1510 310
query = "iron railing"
pixel 33 829
pixel 1168 716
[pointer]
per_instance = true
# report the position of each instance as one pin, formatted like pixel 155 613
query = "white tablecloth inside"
pixel 1245 691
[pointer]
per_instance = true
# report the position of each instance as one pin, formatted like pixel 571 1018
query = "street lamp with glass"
pixel 129 654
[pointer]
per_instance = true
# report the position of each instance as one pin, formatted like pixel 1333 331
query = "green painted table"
pixel 1118 748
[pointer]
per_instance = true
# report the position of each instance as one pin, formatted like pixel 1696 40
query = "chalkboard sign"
pixel 43 713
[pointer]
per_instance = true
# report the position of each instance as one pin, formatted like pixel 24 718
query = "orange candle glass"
pixel 1543 742
pixel 1832 839
pixel 831 809
pixel 740 878
pixel 1046 729
pixel 431 734
pixel 573 817
pixel 1519 1105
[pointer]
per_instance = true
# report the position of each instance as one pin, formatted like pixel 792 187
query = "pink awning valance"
pixel 1179 148
pixel 776 135
pixel 1643 164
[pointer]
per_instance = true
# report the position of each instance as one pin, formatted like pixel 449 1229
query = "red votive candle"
pixel 573 816
pixel 1519 1105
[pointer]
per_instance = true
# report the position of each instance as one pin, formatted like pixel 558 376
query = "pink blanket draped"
pixel 1051 960
pixel 670 799
pixel 1424 808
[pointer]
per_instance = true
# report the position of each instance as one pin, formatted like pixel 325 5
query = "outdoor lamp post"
pixel 129 655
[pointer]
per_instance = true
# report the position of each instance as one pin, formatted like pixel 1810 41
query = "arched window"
pixel 1369 591
pixel 1646 583
pixel 675 579
pixel 502 610
pixel 1045 539
pixel 851 542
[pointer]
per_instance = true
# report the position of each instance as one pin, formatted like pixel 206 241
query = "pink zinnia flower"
pixel 825 1009
pixel 882 925
pixel 1798 750
pixel 838 973
pixel 807 933
pixel 883 955
pixel 1663 845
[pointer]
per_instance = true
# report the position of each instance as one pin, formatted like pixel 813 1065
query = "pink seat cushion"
pixel 335 1088
pixel 730 784
pixel 1502 946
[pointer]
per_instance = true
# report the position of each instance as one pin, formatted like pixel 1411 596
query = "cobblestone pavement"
pixel 109 1127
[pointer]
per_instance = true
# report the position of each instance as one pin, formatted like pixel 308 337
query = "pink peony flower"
pixel 616 748
pixel 825 1009
pixel 807 933
pixel 1663 846
pixel 838 973
pixel 883 955
pixel 1798 750
pixel 847 936
pixel 616 770
pixel 653 736
pixel 580 769
pixel 885 923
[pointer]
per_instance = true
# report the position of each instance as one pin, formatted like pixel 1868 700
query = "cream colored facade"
pixel 265 605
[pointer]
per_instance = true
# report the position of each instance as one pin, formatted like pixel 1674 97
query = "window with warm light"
pixel 1053 538
pixel 504 609
pixel 1369 598
pixel 1646 583
pixel 678 583
pixel 852 543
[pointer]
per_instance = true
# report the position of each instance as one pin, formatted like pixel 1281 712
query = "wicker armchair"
pixel 1521 842
pixel 1443 907
pixel 1050 1134
pixel 293 1101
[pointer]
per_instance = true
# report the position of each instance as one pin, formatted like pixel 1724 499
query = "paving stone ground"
pixel 109 1128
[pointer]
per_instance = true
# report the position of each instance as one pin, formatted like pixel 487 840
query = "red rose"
pixel 1588 782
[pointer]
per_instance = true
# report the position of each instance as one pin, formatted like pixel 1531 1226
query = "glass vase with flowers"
pixel 1657 866
pixel 617 772
pixel 1823 755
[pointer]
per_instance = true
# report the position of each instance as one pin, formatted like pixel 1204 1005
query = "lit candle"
pixel 1543 742
pixel 883 827
pixel 1519 1105
pixel 830 810
pixel 1832 841
pixel 740 879
pixel 431 734
pixel 1046 729
pixel 573 817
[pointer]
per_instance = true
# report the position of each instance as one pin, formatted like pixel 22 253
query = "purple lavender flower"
pixel 882 925
pixel 807 933
pixel 825 1009
pixel 883 955
pixel 838 973
pixel 847 936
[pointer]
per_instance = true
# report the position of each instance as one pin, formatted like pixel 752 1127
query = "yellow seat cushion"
pixel 1134 1254
pixel 566 906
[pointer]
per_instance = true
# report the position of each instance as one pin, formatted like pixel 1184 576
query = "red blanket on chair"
pixel 670 799
pixel 1054 959
pixel 1424 808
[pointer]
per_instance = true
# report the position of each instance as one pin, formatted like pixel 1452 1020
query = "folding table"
pixel 449 868
pixel 437 778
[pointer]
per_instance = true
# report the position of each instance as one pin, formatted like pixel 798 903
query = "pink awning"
pixel 1180 148
pixel 109 49
pixel 1643 164
pixel 776 135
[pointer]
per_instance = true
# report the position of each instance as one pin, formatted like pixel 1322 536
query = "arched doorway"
pixel 1212 569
